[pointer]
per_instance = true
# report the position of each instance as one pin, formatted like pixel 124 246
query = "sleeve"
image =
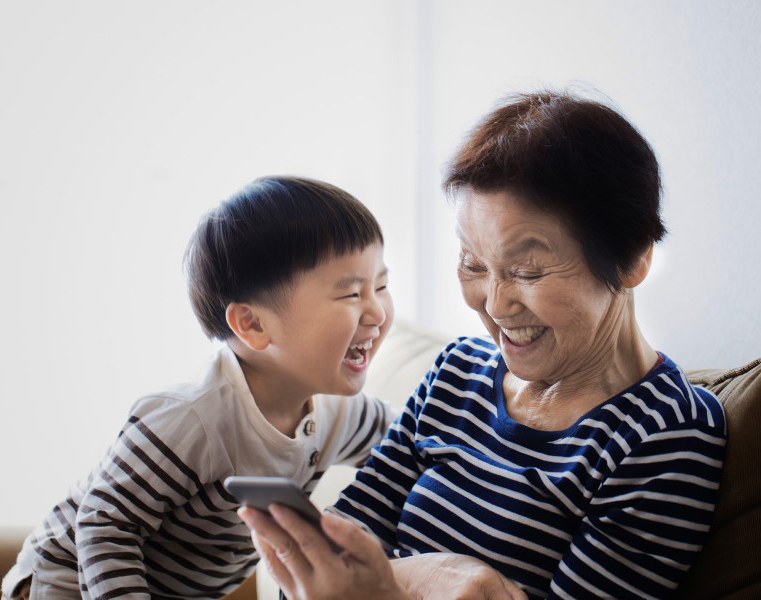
pixel 157 463
pixel 367 429
pixel 648 520
pixel 375 499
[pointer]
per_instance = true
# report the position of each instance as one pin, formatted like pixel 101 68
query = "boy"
pixel 289 273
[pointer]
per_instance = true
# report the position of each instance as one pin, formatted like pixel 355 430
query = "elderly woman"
pixel 565 453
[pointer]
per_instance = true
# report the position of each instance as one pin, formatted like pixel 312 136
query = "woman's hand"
pixel 306 568
pixel 447 576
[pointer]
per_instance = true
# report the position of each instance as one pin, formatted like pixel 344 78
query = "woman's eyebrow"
pixel 528 245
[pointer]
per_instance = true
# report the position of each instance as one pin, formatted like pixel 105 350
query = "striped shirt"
pixel 616 505
pixel 153 520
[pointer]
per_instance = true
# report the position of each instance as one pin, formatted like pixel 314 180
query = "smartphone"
pixel 260 492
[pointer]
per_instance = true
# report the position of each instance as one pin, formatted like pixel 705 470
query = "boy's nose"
pixel 375 314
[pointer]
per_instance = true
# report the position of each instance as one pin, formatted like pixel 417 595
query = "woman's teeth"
pixel 523 335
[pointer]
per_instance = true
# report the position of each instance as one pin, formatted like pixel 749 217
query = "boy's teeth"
pixel 523 335
pixel 363 346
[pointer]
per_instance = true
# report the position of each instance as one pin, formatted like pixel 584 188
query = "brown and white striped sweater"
pixel 152 520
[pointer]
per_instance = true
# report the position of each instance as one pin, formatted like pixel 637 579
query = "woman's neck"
pixel 619 361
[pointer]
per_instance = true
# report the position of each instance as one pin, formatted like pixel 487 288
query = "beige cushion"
pixel 730 564
pixel 404 358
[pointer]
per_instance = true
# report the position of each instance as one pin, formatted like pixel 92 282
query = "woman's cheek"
pixel 472 292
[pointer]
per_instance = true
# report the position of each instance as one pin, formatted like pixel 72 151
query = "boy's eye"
pixel 381 288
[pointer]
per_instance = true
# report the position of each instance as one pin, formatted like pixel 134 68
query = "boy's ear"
pixel 246 322
pixel 639 271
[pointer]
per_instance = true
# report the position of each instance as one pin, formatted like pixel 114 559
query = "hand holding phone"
pixel 260 492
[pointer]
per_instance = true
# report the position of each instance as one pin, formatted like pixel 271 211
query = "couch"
pixel 729 567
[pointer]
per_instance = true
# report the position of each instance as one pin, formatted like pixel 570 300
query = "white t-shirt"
pixel 152 519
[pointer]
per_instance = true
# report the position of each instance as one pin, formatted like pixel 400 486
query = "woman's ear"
pixel 639 271
pixel 248 325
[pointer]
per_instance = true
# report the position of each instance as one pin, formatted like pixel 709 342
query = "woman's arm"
pixel 305 567
pixel 439 575
pixel 375 499
pixel 648 520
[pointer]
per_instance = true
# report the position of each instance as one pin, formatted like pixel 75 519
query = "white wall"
pixel 121 123
pixel 688 74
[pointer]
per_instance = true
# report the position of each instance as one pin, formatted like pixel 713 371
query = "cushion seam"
pixel 730 374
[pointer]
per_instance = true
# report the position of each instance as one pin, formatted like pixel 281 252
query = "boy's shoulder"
pixel 220 384
pixel 329 406
pixel 348 411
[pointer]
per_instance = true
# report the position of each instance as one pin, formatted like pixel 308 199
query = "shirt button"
pixel 309 427
pixel 314 458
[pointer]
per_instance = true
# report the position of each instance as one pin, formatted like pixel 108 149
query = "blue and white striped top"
pixel 617 505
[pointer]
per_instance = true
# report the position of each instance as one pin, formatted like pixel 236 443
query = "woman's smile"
pixel 523 336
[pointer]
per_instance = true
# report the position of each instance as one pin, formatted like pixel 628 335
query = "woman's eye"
pixel 468 263
pixel 527 276
pixel 470 267
pixel 381 288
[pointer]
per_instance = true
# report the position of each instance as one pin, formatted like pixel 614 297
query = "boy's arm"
pixel 157 463
pixel 369 425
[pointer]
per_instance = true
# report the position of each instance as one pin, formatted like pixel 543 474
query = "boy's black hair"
pixel 575 158
pixel 252 246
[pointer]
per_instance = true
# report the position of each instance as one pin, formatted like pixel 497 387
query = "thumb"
pixel 512 590
pixel 361 545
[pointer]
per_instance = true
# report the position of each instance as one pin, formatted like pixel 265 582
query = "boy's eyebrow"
pixel 350 280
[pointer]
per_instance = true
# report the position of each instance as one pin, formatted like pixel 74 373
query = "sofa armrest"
pixel 729 566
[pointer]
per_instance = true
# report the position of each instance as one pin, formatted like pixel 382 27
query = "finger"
pixel 245 512
pixel 311 541
pixel 362 546
pixel 285 547
pixel 514 592
pixel 276 569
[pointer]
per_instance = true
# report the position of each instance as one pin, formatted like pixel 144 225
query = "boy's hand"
pixel 304 566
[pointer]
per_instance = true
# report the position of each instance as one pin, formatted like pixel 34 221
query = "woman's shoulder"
pixel 676 402
pixel 480 348
pixel 465 362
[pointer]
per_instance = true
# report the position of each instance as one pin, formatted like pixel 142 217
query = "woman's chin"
pixel 524 359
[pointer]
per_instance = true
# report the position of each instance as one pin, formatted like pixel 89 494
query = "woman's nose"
pixel 502 299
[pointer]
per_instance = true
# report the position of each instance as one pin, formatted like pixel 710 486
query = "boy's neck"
pixel 281 406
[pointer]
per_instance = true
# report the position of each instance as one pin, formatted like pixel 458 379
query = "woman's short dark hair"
pixel 575 158
pixel 252 246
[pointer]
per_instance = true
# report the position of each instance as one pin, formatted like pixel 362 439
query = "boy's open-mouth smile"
pixel 356 355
